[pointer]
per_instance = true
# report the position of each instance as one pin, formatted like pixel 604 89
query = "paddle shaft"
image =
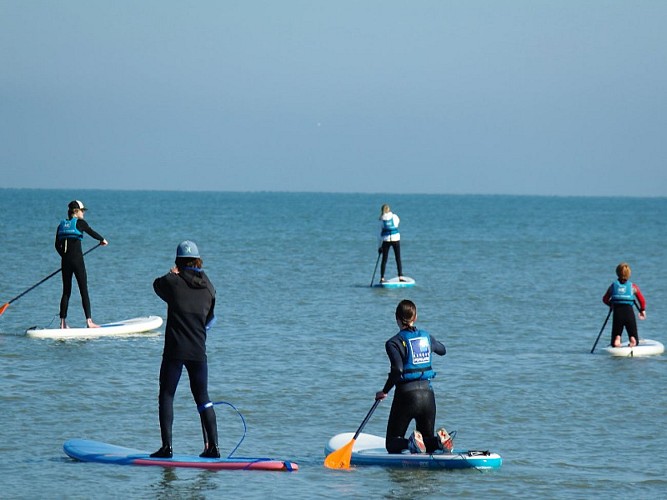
pixel 376 268
pixel 43 280
pixel 601 330
pixel 368 417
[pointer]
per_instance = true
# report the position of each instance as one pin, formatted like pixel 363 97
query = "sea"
pixel 512 285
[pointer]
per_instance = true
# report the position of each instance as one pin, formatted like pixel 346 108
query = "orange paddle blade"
pixel 340 458
pixel 4 306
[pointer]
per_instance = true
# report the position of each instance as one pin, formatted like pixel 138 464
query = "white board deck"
pixel 125 327
pixel 646 347
pixel 369 449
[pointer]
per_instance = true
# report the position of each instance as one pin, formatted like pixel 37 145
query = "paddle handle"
pixel 368 417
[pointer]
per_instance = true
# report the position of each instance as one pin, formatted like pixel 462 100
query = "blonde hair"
pixel 623 271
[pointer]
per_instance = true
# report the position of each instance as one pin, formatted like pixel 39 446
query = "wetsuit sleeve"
pixel 438 347
pixel 396 361
pixel 84 227
pixel 640 297
pixel 607 297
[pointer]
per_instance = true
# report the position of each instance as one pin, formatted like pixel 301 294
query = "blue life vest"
pixel 417 362
pixel 621 293
pixel 388 227
pixel 67 229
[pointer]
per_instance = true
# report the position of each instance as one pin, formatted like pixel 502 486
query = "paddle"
pixel 340 458
pixel 601 330
pixel 376 268
pixel 6 304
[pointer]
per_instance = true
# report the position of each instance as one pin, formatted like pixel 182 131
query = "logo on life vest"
pixel 421 350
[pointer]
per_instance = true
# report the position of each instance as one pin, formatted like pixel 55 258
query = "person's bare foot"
pixel 63 323
pixel 90 324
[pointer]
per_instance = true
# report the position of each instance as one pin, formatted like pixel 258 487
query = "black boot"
pixel 210 431
pixel 211 451
pixel 164 452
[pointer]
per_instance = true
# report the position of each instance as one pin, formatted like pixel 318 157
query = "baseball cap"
pixel 76 205
pixel 187 248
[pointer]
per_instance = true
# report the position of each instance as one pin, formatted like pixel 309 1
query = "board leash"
pixel 245 427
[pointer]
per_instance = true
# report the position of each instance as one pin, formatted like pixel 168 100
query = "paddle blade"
pixel 4 306
pixel 340 458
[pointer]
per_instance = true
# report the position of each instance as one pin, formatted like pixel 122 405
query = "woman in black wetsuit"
pixel 68 245
pixel 190 298
pixel 410 352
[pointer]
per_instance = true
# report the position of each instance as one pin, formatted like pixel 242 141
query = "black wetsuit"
pixel 412 400
pixel 72 262
pixel 190 297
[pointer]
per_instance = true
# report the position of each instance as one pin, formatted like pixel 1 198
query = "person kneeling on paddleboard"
pixel 620 296
pixel 190 298
pixel 410 352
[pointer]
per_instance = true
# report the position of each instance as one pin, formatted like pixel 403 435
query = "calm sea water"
pixel 512 286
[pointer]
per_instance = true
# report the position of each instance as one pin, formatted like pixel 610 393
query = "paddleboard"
pixel 646 347
pixel 396 283
pixel 86 450
pixel 369 450
pixel 126 327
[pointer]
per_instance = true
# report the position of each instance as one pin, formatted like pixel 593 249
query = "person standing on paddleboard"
pixel 389 238
pixel 620 296
pixel 410 352
pixel 68 245
pixel 190 298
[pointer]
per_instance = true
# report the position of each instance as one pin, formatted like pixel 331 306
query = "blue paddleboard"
pixel 95 451
pixel 396 283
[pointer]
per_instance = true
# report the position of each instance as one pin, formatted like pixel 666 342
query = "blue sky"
pixel 486 97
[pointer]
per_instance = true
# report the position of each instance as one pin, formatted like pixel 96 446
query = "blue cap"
pixel 187 248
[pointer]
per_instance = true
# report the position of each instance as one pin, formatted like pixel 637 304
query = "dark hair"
pixel 406 313
pixel 182 262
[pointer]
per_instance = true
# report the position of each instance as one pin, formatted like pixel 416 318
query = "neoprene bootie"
pixel 210 452
pixel 165 451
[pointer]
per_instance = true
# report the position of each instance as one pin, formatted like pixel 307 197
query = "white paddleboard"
pixel 396 283
pixel 646 347
pixel 369 449
pixel 125 327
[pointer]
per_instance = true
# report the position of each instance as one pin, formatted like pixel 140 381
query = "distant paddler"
pixel 68 245
pixel 389 238
pixel 620 296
